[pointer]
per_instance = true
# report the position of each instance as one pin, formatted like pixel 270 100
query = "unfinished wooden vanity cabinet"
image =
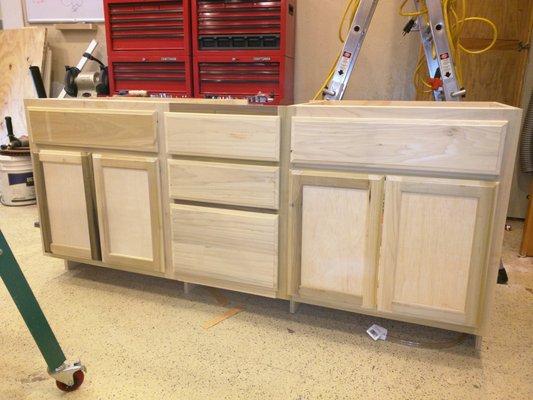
pixel 99 199
pixel 224 185
pixel 392 209
pixel 398 209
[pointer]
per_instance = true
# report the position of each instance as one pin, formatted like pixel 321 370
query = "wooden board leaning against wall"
pixel 19 49
pixel 343 205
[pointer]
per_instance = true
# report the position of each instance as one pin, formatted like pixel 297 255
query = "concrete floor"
pixel 142 338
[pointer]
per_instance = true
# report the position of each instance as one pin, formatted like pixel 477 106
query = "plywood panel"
pixel 110 128
pixel 246 137
pixel 19 48
pixel 334 232
pixel 66 206
pixel 234 184
pixel 127 195
pixel 436 272
pixel 234 246
pixel 434 250
pixel 461 146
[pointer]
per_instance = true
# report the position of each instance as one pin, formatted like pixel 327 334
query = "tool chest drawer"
pixel 238 24
pixel 466 146
pixel 110 128
pixel 223 183
pixel 155 72
pixel 228 245
pixel 258 26
pixel 147 25
pixel 244 76
pixel 247 137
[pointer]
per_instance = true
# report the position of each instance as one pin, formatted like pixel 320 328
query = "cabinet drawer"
pixel 233 246
pixel 433 145
pixel 234 184
pixel 115 129
pixel 245 137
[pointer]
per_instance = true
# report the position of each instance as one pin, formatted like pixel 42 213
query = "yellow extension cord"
pixel 452 19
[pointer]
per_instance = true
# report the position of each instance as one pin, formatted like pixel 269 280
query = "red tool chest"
pixel 156 72
pixel 243 48
pixel 244 76
pixel 148 46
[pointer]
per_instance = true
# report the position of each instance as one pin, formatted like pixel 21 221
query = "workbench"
pixel 391 209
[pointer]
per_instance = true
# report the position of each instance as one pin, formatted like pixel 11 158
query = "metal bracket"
pixel 65 373
pixel 523 46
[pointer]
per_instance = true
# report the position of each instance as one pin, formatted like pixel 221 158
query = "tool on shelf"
pixel 69 376
pixel 13 141
pixel 86 84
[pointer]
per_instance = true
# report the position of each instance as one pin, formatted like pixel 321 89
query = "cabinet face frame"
pixel 82 159
pixel 371 183
pixel 395 187
pixel 150 165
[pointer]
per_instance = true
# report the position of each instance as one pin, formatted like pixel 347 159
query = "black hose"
pixel 38 81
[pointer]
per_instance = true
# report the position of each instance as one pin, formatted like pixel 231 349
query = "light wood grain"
pixel 461 146
pixel 225 136
pixel 233 184
pixel 66 216
pixel 76 27
pixel 233 246
pixel 19 49
pixel 334 236
pixel 127 195
pixel 111 128
pixel 434 251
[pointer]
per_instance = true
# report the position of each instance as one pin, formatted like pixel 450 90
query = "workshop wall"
pixel 386 62
pixel 383 71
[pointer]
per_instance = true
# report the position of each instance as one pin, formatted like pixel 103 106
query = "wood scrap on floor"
pixel 19 48
pixel 228 314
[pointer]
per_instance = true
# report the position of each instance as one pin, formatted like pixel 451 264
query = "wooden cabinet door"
pixel 434 249
pixel 335 221
pixel 68 220
pixel 129 211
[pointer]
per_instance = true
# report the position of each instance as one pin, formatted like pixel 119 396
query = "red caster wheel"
pixel 78 380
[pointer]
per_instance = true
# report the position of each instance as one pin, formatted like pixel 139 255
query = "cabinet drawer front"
pixel 234 184
pixel 115 129
pixel 234 246
pixel 433 145
pixel 225 136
